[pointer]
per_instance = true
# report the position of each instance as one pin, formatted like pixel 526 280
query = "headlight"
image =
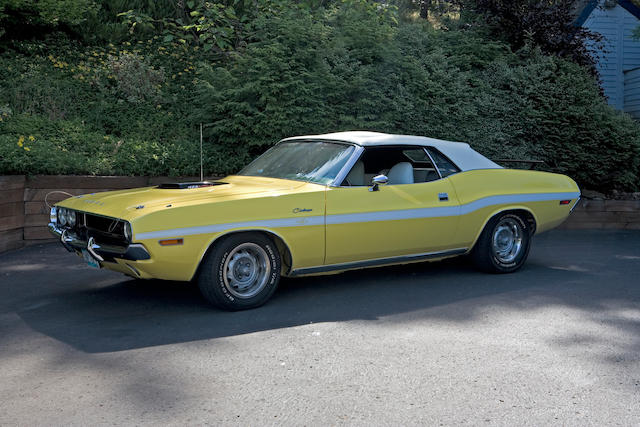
pixel 53 215
pixel 62 216
pixel 128 233
pixel 71 218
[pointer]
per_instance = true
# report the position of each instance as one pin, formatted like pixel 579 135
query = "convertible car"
pixel 318 204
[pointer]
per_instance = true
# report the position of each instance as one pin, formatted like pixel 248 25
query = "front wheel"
pixel 504 244
pixel 241 272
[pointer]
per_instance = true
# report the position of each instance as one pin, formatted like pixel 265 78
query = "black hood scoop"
pixel 188 185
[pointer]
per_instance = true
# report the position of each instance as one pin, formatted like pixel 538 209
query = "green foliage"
pixel 133 105
pixel 306 73
pixel 47 12
pixel 134 79
pixel 562 117
pixel 214 26
pixel 549 25
pixel 123 108
pixel 28 18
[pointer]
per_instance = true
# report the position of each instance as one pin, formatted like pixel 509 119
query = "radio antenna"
pixel 201 174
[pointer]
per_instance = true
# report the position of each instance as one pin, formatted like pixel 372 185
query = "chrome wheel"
pixel 506 242
pixel 246 270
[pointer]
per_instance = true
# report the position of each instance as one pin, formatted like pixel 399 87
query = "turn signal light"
pixel 170 242
pixel 565 202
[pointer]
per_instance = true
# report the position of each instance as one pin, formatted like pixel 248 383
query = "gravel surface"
pixel 433 343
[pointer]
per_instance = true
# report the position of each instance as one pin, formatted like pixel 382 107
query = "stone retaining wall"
pixel 24 215
pixel 590 214
pixel 11 212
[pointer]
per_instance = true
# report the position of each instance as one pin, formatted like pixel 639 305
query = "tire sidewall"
pixel 219 257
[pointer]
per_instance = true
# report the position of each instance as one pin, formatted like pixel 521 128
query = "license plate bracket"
pixel 91 261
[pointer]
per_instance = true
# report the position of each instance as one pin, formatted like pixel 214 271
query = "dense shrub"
pixel 305 74
pixel 24 18
pixel 98 110
pixel 134 107
pixel 549 25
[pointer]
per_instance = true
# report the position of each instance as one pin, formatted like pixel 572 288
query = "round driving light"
pixel 53 215
pixel 62 215
pixel 128 233
pixel 71 218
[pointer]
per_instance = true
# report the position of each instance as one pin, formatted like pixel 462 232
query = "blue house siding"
pixel 632 92
pixel 620 53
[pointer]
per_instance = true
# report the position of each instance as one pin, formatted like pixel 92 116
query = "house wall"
pixel 620 53
pixel 632 92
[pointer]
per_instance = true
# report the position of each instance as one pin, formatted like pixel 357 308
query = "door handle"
pixel 443 197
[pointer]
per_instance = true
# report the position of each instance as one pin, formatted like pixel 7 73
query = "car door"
pixel 395 221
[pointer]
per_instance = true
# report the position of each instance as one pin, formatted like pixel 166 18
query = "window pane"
pixel 318 162
pixel 445 166
pixel 417 155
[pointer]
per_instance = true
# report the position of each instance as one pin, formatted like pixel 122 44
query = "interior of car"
pixel 401 165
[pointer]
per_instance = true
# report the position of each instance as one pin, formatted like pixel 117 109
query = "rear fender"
pixel 515 209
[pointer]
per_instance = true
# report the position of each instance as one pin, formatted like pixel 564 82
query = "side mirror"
pixel 377 181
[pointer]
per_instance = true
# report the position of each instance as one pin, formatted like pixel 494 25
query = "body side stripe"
pixel 205 229
pixel 392 215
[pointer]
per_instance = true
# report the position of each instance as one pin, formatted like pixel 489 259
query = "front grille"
pixel 104 230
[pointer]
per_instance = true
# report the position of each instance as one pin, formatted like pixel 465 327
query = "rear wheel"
pixel 241 272
pixel 504 244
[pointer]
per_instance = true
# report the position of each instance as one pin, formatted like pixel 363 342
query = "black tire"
pixel 235 255
pixel 492 255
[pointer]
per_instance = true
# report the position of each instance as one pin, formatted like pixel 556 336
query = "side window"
pixel 416 155
pixel 423 169
pixel 445 166
pixel 401 164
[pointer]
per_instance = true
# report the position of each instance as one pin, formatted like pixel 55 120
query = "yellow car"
pixel 318 204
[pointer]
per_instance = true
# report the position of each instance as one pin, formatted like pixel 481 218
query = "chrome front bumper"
pixel 132 252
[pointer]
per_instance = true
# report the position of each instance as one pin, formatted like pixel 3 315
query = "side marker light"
pixel 170 242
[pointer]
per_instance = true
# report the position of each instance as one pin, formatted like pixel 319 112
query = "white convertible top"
pixel 461 153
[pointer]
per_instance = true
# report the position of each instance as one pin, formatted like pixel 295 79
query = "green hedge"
pixel 135 108
pixel 309 74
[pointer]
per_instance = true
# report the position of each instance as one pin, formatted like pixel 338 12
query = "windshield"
pixel 317 162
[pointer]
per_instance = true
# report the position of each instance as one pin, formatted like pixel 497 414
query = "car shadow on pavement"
pixel 133 314
pixel 118 314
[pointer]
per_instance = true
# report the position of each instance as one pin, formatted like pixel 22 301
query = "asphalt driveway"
pixel 431 343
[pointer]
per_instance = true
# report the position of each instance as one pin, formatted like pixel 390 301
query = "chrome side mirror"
pixel 377 181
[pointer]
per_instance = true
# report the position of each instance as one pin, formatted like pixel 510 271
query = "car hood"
pixel 130 204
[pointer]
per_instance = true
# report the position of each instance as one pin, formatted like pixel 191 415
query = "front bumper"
pixel 100 252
